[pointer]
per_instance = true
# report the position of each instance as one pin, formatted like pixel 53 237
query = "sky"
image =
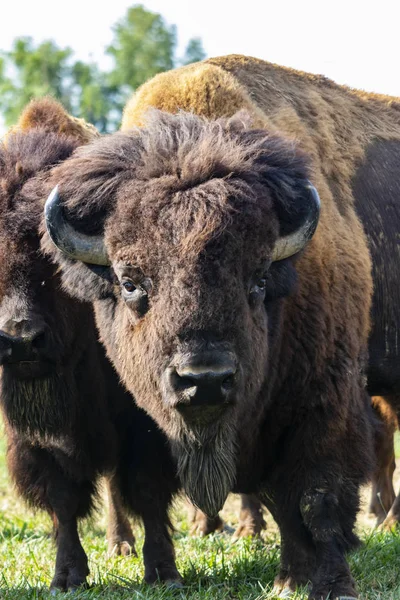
pixel 354 42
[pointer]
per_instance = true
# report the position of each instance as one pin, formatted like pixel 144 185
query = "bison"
pixel 243 341
pixel 354 140
pixel 68 420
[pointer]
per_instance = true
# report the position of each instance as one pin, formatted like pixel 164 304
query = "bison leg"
pixel 120 538
pixel 201 524
pixel 251 520
pixel 383 495
pixel 297 549
pixel 393 518
pixel 71 562
pixel 158 553
pixel 330 519
pixel 43 483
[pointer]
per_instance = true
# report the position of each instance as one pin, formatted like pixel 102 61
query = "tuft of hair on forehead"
pixel 194 149
pixel 191 146
pixel 176 152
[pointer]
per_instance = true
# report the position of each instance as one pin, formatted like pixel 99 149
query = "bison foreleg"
pixel 251 520
pixel 297 549
pixel 332 537
pixel 201 524
pixel 42 481
pixel 71 562
pixel 158 553
pixel 393 517
pixel 120 538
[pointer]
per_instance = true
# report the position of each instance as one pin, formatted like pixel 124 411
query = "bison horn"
pixel 294 242
pixel 76 245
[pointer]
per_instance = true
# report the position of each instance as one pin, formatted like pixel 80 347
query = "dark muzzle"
pixel 201 384
pixel 27 347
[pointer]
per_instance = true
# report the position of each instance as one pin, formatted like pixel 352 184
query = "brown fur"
pixel 48 114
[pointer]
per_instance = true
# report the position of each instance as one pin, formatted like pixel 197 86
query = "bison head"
pixel 194 225
pixel 36 318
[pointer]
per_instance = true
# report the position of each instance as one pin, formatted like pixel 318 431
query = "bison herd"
pixel 206 302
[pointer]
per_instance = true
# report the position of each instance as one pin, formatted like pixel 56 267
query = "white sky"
pixel 355 42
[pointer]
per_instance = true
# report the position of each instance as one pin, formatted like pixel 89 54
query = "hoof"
pixel 68 583
pixel 174 584
pixel 203 526
pixel 244 532
pixel 389 524
pixel 121 549
pixel 171 579
pixel 285 592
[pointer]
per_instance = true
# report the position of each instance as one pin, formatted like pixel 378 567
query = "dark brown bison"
pixel 245 344
pixel 68 420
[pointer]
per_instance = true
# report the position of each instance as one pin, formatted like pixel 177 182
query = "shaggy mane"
pixel 177 153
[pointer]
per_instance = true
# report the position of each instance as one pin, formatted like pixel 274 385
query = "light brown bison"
pixel 354 139
pixel 67 418
pixel 245 344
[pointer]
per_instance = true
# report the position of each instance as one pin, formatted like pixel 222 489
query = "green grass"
pixel 213 568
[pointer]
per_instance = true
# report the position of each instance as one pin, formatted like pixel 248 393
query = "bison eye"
pixel 136 295
pixel 261 283
pixel 257 290
pixel 129 286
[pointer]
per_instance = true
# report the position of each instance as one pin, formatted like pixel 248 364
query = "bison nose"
pixel 214 382
pixel 22 343
pixel 201 384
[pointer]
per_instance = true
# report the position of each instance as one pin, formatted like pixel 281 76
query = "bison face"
pixel 196 239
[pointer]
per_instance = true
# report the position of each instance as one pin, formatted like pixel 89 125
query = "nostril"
pixel 181 383
pixel 39 341
pixel 228 383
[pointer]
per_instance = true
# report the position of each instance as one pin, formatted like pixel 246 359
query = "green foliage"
pixel 28 71
pixel 194 52
pixel 143 45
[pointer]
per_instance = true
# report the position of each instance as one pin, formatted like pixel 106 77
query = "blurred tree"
pixel 93 98
pixel 194 52
pixel 143 45
pixel 28 71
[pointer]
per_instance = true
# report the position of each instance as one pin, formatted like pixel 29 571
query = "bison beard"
pixel 37 405
pixel 206 463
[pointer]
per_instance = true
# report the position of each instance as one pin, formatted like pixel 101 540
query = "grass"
pixel 213 568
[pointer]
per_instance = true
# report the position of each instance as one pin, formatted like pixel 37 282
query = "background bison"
pixel 68 419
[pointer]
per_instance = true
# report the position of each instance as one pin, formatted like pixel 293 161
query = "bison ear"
pixel 298 209
pixel 49 115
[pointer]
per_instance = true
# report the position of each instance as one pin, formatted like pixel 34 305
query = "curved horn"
pixel 78 246
pixel 294 242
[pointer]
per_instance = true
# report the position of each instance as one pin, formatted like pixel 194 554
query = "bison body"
pixel 68 419
pixel 247 345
